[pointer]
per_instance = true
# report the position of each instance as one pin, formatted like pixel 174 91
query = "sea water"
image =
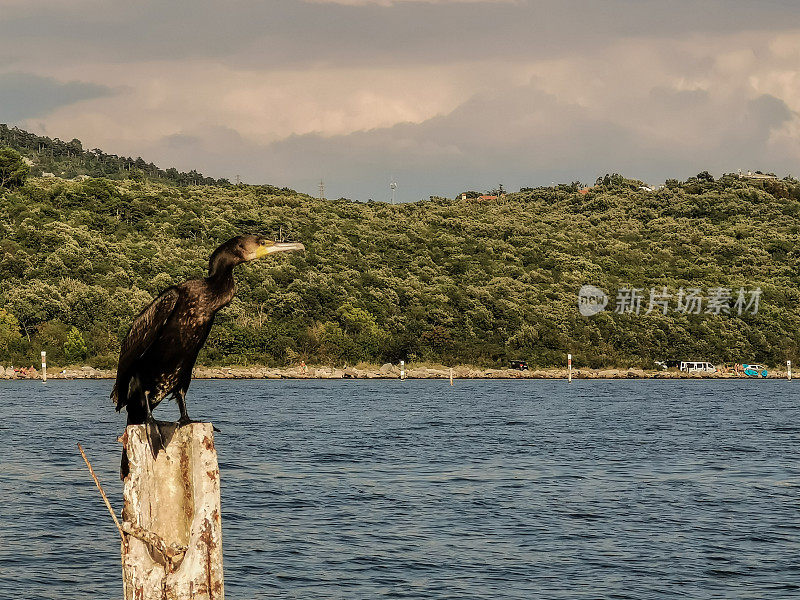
pixel 415 489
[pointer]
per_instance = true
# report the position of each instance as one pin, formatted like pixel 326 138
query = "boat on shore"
pixel 755 371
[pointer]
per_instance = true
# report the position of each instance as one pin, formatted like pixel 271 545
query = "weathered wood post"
pixel 569 367
pixel 172 508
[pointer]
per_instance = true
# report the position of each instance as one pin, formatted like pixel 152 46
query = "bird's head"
pixel 245 248
pixel 252 247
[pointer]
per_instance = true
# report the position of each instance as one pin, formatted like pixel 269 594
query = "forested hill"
pixel 445 280
pixel 69 160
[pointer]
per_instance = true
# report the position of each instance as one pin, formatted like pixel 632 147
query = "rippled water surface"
pixel 415 489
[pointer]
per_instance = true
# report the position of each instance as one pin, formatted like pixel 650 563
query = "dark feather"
pixel 144 332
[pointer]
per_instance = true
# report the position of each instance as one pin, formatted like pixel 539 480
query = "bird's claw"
pixel 186 421
pixel 154 436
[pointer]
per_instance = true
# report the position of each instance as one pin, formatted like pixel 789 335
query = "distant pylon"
pixel 321 190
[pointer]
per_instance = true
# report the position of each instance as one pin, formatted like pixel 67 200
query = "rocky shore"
pixel 387 371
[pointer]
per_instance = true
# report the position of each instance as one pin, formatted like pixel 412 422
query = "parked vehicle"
pixel 667 364
pixel 519 365
pixel 697 367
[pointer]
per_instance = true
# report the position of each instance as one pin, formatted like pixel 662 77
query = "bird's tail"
pixel 138 414
pixel 134 402
pixel 115 398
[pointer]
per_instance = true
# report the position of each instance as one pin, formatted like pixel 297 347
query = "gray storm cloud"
pixel 443 96
pixel 25 95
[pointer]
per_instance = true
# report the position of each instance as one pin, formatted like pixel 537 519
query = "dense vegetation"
pixel 445 280
pixel 69 159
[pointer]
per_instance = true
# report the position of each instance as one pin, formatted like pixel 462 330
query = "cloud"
pixel 169 98
pixel 25 95
pixel 768 112
pixel 440 95
pixel 680 114
pixel 519 137
pixel 292 33
pixel 393 2
pixel 44 4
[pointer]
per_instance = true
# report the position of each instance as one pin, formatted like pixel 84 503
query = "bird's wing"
pixel 144 331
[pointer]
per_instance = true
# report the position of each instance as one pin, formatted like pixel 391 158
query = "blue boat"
pixel 755 370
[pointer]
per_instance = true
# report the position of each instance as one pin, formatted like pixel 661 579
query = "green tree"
pixel 51 337
pixel 10 335
pixel 13 170
pixel 75 349
pixel 361 326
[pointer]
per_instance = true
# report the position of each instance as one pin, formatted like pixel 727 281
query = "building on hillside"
pixel 482 198
pixel 756 175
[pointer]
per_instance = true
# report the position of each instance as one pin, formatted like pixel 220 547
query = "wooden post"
pixel 569 368
pixel 172 505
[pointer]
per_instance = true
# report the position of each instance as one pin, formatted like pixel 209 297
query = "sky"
pixel 440 96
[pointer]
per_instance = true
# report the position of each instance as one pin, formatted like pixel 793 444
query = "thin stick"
pixel 174 552
pixel 102 493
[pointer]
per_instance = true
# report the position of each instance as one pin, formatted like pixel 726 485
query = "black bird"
pixel 159 352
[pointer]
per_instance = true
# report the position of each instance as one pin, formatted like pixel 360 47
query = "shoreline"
pixel 388 371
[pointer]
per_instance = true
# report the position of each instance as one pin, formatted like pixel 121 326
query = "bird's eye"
pixel 263 242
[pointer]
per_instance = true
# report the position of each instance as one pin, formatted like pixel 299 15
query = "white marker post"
pixel 402 369
pixel 789 370
pixel 569 368
pixel 44 366
pixel 451 375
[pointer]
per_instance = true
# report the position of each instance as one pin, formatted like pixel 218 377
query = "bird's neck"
pixel 220 266
pixel 220 280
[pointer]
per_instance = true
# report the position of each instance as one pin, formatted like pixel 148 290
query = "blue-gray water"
pixel 415 489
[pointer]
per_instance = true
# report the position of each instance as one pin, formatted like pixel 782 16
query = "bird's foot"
pixel 154 436
pixel 185 420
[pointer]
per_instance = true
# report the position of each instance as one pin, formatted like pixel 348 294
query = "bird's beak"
pixel 262 251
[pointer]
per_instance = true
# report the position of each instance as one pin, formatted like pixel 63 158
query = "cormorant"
pixel 159 352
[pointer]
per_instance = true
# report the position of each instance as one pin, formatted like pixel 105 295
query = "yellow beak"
pixel 270 248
